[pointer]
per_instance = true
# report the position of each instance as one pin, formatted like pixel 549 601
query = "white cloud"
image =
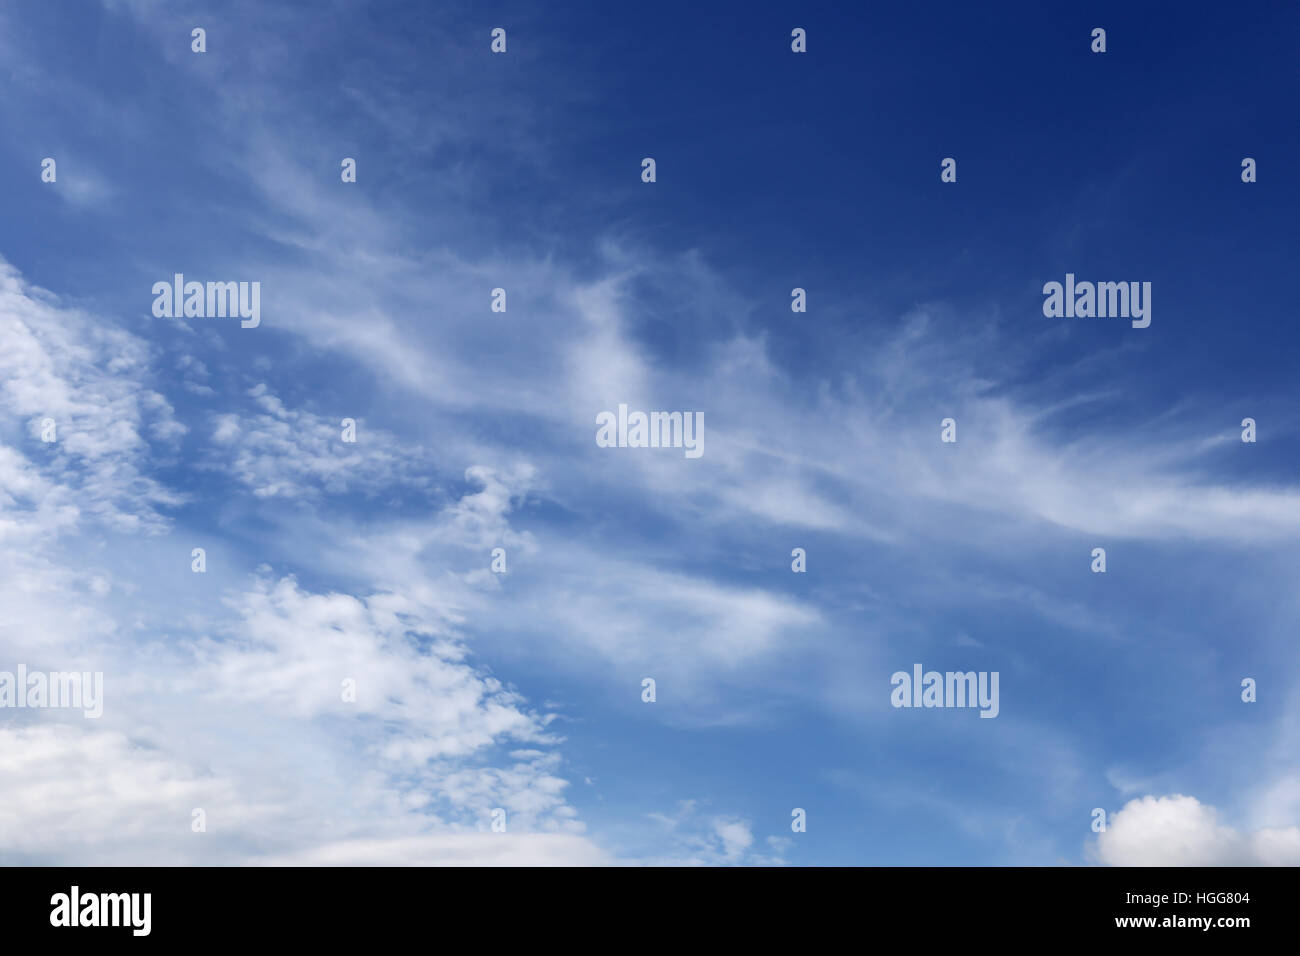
pixel 86 376
pixel 76 794
pixel 291 453
pixel 453 849
pixel 234 708
pixel 1181 831
pixel 80 184
pixel 293 650
pixel 691 837
pixel 251 726
pixel 635 614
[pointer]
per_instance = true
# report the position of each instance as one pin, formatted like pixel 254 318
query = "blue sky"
pixel 476 430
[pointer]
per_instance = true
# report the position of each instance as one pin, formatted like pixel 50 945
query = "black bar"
pixel 654 907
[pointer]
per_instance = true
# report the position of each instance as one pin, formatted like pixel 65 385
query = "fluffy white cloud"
pixel 87 377
pixel 76 794
pixel 290 453
pixel 293 650
pixel 1181 831
pixel 251 727
pixel 233 706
